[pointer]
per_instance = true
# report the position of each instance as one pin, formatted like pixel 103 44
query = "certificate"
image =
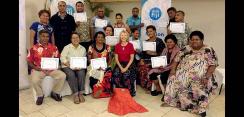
pixel 117 31
pixel 177 27
pixel 112 40
pixel 99 62
pixel 100 23
pixel 136 44
pixel 78 62
pixel 49 63
pixel 158 61
pixel 81 17
pixel 149 46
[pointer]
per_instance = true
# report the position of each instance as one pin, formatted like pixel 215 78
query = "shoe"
pixel 81 98
pixel 159 92
pixel 56 96
pixel 76 99
pixel 154 93
pixel 203 114
pixel 39 100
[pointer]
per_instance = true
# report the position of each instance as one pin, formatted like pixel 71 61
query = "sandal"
pixel 82 99
pixel 76 99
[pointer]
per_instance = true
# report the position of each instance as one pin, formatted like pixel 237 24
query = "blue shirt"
pixel 131 21
pixel 37 26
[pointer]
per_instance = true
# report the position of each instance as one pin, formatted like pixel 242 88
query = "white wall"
pixel 205 15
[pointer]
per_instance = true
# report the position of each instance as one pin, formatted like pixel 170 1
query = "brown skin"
pixel 62 8
pixel 179 17
pixel 44 19
pixel 171 14
pixel 196 43
pixel 152 37
pixel 44 37
pixel 108 31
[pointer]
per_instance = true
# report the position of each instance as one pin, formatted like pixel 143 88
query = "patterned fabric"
pixel 37 26
pixel 186 90
pixel 95 54
pixel 143 69
pixel 83 29
pixel 183 37
pixel 38 51
pixel 125 80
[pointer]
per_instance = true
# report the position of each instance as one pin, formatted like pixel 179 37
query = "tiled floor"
pixel 98 107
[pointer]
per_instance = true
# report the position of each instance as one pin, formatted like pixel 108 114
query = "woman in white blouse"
pixel 75 76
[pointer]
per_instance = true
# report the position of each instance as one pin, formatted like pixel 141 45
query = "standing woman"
pixel 124 74
pixel 75 77
pixel 119 22
pixel 43 24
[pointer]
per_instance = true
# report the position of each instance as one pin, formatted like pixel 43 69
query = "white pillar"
pixel 23 73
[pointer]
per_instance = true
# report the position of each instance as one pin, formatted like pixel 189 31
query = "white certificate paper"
pixel 49 63
pixel 117 31
pixel 177 27
pixel 136 44
pixel 159 61
pixel 149 46
pixel 99 62
pixel 112 40
pixel 100 23
pixel 81 17
pixel 78 62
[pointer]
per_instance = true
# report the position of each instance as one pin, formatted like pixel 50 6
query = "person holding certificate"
pixel 75 75
pixel 191 79
pixel 145 62
pixel 184 35
pixel 170 51
pixel 99 21
pixel 35 55
pixel 119 22
pixel 95 76
pixel 124 74
pixel 83 25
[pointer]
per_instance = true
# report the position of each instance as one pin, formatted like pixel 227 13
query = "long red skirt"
pixel 122 103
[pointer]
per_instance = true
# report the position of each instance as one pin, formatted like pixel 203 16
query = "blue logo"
pixel 155 13
pixel 70 10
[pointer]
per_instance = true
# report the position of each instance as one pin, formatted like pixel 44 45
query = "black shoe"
pixel 154 93
pixel 56 96
pixel 203 114
pixel 39 100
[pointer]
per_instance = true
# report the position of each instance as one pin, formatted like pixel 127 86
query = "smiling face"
pixel 170 43
pixel 100 12
pixel 195 42
pixel 136 34
pixel 44 18
pixel 119 19
pixel 108 31
pixel 44 37
pixel 79 7
pixel 151 33
pixel 179 17
pixel 124 37
pixel 75 39
pixel 100 39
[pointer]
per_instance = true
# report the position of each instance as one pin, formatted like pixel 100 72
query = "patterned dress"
pixel 185 90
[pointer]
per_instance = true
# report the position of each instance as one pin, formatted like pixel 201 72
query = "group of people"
pixel 187 80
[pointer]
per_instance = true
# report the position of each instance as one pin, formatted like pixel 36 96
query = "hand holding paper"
pixel 177 27
pixel 149 46
pixel 112 40
pixel 159 61
pixel 49 63
pixel 99 62
pixel 78 62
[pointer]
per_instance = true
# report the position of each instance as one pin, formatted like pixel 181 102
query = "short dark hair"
pixel 119 14
pixel 43 11
pixel 170 36
pixel 171 9
pixel 134 29
pixel 74 33
pixel 197 33
pixel 152 27
pixel 43 31
pixel 79 2
pixel 180 11
pixel 110 27
pixel 96 34
pixel 135 8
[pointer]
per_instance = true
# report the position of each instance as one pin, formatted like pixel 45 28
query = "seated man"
pixel 44 49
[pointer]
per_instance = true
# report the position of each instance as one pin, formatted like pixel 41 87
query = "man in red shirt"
pixel 39 50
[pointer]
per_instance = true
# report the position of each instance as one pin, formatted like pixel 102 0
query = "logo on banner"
pixel 70 10
pixel 155 13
